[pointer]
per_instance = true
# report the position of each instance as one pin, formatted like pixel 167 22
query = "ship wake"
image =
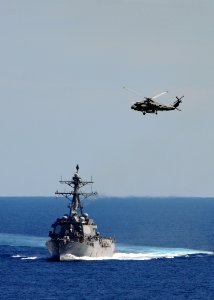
pixel 123 251
pixel 128 252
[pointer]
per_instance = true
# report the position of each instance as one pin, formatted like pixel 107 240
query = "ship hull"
pixel 73 250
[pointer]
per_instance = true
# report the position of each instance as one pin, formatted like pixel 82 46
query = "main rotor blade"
pixel 132 91
pixel 158 95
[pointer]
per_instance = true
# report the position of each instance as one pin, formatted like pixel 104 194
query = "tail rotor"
pixel 177 102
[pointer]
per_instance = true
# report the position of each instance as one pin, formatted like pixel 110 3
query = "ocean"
pixel 164 250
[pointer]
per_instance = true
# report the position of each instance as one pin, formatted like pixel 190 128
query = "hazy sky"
pixel 63 65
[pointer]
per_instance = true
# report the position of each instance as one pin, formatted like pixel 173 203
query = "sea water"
pixel 164 250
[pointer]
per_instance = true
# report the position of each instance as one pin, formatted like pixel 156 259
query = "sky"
pixel 63 66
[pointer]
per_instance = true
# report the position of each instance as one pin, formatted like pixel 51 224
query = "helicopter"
pixel 150 106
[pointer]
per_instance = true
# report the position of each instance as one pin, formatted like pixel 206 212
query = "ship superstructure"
pixel 75 234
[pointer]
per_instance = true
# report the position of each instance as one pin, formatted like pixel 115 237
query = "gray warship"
pixel 75 235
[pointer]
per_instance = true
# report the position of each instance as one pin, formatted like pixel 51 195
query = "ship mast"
pixel 74 195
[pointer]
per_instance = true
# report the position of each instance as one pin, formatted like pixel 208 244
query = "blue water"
pixel 164 250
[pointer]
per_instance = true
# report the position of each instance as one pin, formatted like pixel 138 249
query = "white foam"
pixel 70 257
pixel 17 256
pixel 126 252
pixel 30 257
pixel 24 257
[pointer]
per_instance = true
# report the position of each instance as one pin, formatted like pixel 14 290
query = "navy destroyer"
pixel 75 235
